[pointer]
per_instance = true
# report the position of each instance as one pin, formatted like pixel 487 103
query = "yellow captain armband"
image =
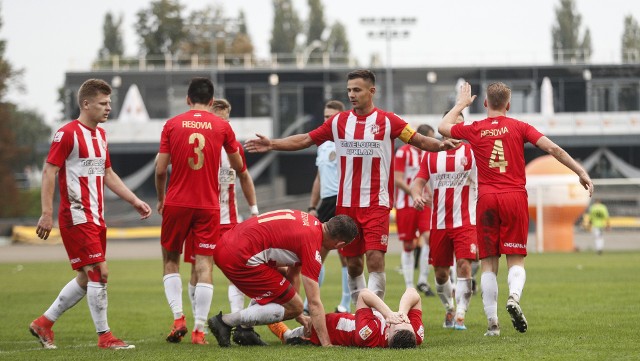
pixel 406 134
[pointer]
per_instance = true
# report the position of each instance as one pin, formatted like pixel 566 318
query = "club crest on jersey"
pixel 58 137
pixel 464 161
pixel 384 239
pixel 375 128
pixel 365 332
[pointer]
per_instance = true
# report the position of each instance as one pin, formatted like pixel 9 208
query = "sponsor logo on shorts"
pixel 365 332
pixel 283 281
pixel 384 239
pixel 473 248
pixel 269 293
pixel 514 245
pixel 207 245
pixel 74 260
pixel 421 332
pixel 95 255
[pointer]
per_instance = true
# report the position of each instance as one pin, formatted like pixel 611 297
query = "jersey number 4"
pixel 198 160
pixel 497 159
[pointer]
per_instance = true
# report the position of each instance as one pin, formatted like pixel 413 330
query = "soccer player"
pixel 452 176
pixel 599 221
pixel 410 221
pixel 229 217
pixel 502 216
pixel 192 143
pixel 79 156
pixel 373 325
pixel 364 140
pixel 250 253
pixel 325 191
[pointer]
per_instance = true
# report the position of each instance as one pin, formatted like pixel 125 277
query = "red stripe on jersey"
pixel 342 124
pixel 433 163
pixel 381 122
pixel 464 206
pixel 450 161
pixel 374 194
pixel 356 180
pixel 448 204
pixel 86 198
pixel 94 141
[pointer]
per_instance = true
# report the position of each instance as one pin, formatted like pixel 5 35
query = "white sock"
pixel 463 295
pixel 173 291
pixel 296 332
pixel 378 283
pixel 445 292
pixel 203 296
pixel 192 297
pixel 97 300
pixel 599 238
pixel 70 294
pixel 236 298
pixel 355 285
pixel 256 315
pixel 516 279
pixel 346 296
pixel 407 260
pixel 423 265
pixel 453 272
pixel 489 284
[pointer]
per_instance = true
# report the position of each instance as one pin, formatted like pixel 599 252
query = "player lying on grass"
pixel 373 325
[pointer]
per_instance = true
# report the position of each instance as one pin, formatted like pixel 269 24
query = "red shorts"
pixel 85 243
pixel 502 221
pixel 373 229
pixel 412 222
pixel 188 243
pixel 262 283
pixel 180 222
pixel 444 243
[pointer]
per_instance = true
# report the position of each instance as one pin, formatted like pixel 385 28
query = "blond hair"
pixel 498 95
pixel 221 104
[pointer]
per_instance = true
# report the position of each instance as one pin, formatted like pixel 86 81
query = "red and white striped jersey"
pixel 364 146
pixel 82 155
pixel 407 161
pixel 227 179
pixel 453 177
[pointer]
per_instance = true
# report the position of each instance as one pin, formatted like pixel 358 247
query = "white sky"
pixel 47 38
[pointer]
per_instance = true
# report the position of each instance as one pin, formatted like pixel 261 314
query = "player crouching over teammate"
pixel 250 253
pixel 373 324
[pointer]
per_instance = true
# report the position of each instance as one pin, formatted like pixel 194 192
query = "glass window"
pixel 628 97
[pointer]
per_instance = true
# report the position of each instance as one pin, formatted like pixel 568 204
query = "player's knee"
pixel 95 273
pixel 408 246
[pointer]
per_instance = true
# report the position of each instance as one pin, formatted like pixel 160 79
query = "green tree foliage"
pixel 242 43
pixel 631 40
pixel 316 22
pixel 112 32
pixel 338 42
pixel 567 46
pixel 160 27
pixel 286 27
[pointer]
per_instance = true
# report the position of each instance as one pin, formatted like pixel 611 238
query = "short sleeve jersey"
pixel 194 141
pixel 83 156
pixel 227 179
pixel 327 164
pixel 279 238
pixel 498 146
pixel 364 146
pixel 407 161
pixel 452 175
pixel 598 215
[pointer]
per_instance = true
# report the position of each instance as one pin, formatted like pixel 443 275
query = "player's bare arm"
pixel 431 144
pixel 249 191
pixel 316 310
pixel 235 160
pixel 563 157
pixel 463 100
pixel 117 186
pixel 416 192
pixel 368 299
pixel 398 180
pixel 45 223
pixel 264 144
pixel 410 300
pixel 315 196
pixel 162 166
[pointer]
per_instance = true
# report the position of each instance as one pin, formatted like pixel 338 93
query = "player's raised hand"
pixel 464 97
pixel 260 145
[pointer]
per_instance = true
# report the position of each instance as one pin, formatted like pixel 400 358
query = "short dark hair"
pixel 200 90
pixel 92 87
pixel 447 112
pixel 364 74
pixel 342 227
pixel 335 105
pixel 425 129
pixel 403 339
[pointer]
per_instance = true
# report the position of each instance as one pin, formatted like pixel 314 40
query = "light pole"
pixel 586 75
pixel 274 80
pixel 389 28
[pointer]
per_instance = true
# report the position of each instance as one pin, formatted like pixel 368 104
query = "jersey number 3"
pixel 497 159
pixel 198 160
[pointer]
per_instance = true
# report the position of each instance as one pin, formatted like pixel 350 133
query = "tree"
pixel 286 27
pixel 316 22
pixel 112 43
pixel 631 40
pixel 566 43
pixel 338 42
pixel 160 27
pixel 201 29
pixel 242 43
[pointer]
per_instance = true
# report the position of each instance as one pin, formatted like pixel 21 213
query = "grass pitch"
pixel 579 306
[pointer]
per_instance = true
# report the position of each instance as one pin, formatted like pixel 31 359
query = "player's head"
pixel 339 231
pixel 332 108
pixel 498 97
pixel 426 130
pixel 402 336
pixel 459 119
pixel 361 87
pixel 94 99
pixel 200 91
pixel 221 108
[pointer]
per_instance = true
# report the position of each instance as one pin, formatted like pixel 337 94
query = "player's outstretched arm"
pixel 249 191
pixel 113 181
pixel 432 144
pixel 316 310
pixel 463 100
pixel 563 157
pixel 264 144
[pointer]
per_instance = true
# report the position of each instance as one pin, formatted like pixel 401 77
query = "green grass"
pixel 579 306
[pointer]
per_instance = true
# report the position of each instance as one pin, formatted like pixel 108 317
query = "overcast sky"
pixel 48 38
